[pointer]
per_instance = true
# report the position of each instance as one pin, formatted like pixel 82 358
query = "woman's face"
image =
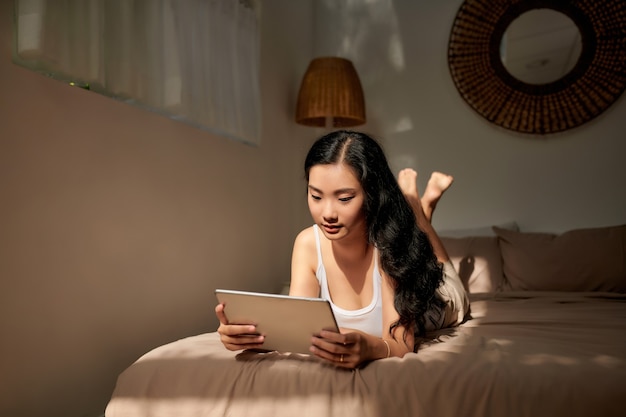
pixel 336 201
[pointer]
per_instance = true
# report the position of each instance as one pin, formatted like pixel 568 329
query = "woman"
pixel 372 252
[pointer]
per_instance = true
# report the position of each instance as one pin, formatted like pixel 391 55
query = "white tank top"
pixel 368 319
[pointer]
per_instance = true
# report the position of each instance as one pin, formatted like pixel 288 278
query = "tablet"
pixel 286 322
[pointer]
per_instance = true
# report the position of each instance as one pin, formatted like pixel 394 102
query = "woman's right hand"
pixel 237 336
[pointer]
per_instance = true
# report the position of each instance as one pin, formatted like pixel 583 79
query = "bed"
pixel 546 337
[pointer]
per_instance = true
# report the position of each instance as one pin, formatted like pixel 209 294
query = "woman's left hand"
pixel 347 349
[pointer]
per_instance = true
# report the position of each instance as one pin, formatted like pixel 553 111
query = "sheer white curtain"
pixel 194 60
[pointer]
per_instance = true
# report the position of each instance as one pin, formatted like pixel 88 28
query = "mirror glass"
pixel 540 46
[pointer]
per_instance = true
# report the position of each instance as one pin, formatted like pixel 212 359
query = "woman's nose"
pixel 329 213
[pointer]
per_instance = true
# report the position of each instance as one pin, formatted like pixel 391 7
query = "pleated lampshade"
pixel 330 94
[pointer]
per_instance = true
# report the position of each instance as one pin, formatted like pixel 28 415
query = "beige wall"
pixel 117 224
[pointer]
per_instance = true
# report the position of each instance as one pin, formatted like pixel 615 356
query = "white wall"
pixel 545 183
pixel 117 224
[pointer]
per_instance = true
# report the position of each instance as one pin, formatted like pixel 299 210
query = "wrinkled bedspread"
pixel 521 354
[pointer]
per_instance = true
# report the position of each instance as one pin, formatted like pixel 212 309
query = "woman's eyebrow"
pixel 347 190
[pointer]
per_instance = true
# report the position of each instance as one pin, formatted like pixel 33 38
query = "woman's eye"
pixel 316 197
pixel 346 199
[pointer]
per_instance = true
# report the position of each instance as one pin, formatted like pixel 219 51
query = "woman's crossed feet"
pixel 436 186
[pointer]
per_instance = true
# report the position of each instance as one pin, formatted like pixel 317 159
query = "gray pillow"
pixel 591 259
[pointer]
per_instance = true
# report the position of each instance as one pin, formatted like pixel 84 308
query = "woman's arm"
pixel 401 341
pixel 304 283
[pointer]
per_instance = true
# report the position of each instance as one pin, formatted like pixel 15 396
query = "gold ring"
pixel 341 358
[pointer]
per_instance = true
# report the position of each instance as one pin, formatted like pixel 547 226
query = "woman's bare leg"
pixel 456 299
pixel 437 185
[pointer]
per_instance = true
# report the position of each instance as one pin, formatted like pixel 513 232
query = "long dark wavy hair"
pixel 406 254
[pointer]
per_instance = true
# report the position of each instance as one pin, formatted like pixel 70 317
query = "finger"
pixel 234 346
pixel 241 340
pixel 340 360
pixel 329 346
pixel 219 312
pixel 238 330
pixel 338 338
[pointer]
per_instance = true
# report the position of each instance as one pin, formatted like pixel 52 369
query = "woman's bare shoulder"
pixel 306 238
pixel 305 248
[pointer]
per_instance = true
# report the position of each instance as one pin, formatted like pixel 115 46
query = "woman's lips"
pixel 331 229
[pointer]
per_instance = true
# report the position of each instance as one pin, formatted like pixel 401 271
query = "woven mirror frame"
pixel 594 84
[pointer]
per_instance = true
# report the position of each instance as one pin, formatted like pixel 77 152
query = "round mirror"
pixel 540 46
pixel 532 105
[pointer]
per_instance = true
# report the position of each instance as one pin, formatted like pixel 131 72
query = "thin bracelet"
pixel 388 348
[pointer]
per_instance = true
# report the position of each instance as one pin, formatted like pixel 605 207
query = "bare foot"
pixel 407 180
pixel 437 185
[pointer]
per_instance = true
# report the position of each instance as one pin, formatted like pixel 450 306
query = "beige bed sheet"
pixel 521 354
